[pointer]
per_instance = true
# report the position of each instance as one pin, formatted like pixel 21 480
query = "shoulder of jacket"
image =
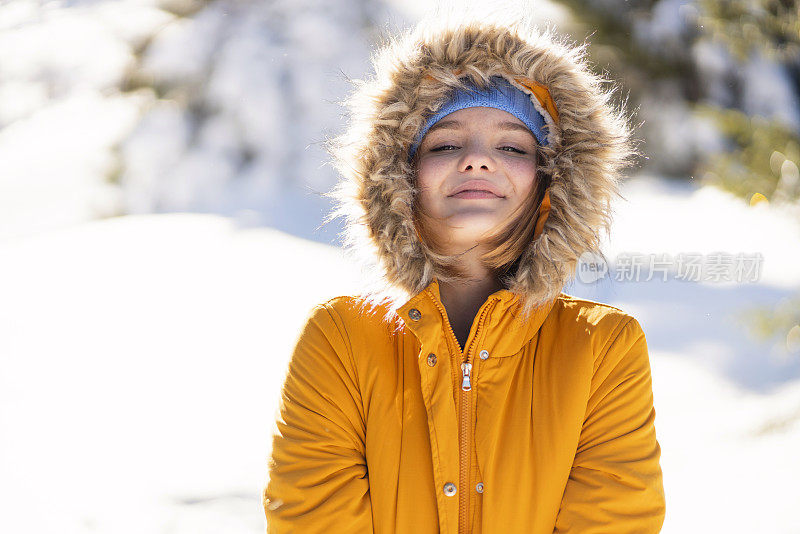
pixel 592 308
pixel 595 317
pixel 350 305
pixel 340 303
pixel 611 330
pixel 359 314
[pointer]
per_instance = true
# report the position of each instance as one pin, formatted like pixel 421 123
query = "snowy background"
pixel 161 172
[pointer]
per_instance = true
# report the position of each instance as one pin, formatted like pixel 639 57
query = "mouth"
pixel 476 189
pixel 474 193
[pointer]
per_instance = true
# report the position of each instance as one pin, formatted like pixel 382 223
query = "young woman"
pixel 479 164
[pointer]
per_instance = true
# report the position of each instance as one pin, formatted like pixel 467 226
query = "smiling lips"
pixel 473 189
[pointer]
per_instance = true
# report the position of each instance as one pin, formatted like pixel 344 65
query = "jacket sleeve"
pixel 317 469
pixel 615 484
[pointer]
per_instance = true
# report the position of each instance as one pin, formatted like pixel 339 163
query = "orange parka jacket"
pixel 544 421
pixel 552 430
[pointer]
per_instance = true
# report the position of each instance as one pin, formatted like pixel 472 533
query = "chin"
pixel 475 224
pixel 468 237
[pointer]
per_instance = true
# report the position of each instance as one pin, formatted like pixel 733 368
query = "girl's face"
pixel 474 167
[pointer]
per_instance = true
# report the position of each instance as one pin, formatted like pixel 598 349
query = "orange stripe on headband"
pixel 542 95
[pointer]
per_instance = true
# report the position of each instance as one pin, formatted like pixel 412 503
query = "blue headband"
pixel 500 95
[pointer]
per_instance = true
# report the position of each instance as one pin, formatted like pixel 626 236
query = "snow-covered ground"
pixel 141 359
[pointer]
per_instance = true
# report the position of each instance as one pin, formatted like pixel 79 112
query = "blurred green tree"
pixel 762 163
pixel 760 156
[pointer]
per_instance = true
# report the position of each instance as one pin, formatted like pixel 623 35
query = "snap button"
pixel 479 487
pixel 449 489
pixel 415 314
pixel 484 354
pixel 431 359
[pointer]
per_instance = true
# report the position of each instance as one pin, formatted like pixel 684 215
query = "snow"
pixel 141 361
pixel 767 91
pixel 757 85
pixel 714 65
pixel 61 110
pixel 53 167
pixel 542 12
pixel 140 110
pixel 252 104
pixel 142 358
pixel 667 26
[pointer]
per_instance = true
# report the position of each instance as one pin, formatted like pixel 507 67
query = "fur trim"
pixel 414 72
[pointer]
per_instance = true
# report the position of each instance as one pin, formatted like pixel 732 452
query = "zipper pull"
pixel 466 368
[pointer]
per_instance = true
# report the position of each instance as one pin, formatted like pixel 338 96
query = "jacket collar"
pixel 506 332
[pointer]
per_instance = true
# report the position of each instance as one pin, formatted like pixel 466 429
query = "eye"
pixel 518 151
pixel 441 148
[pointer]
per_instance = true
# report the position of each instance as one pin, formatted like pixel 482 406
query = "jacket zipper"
pixel 463 501
pixel 465 439
pixel 466 428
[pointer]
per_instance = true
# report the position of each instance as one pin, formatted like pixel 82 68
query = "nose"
pixel 476 156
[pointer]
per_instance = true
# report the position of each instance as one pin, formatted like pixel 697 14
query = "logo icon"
pixel 591 267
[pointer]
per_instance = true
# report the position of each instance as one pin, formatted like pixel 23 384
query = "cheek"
pixel 422 198
pixel 431 170
pixel 523 175
pixel 429 180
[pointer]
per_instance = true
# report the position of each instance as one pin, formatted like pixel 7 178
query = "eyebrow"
pixel 453 124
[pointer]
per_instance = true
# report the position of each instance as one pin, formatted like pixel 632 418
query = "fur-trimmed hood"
pixel 589 146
